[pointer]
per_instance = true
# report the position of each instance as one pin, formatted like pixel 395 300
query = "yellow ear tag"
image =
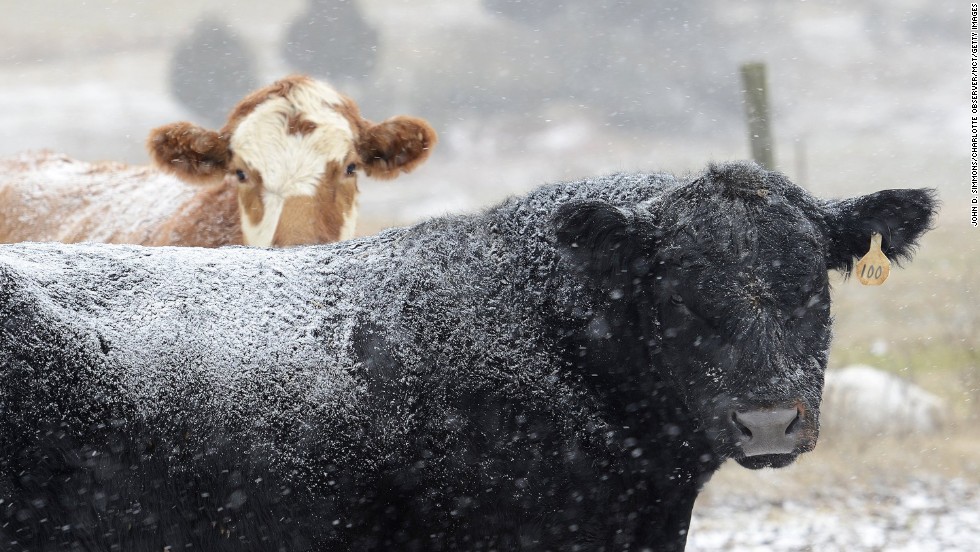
pixel 873 268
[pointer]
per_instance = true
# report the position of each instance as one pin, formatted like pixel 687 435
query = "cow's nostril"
pixel 794 425
pixel 746 432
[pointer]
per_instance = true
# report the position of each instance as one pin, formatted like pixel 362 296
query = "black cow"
pixel 562 372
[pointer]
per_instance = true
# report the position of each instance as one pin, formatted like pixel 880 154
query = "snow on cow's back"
pixel 229 321
pixel 226 325
pixel 50 197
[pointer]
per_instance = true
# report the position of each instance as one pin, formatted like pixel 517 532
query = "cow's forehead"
pixel 731 249
pixel 290 139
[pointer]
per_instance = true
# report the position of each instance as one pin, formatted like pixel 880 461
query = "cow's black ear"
pixel 900 216
pixel 603 240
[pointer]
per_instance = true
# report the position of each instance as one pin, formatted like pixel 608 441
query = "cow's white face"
pixel 293 151
pixel 290 152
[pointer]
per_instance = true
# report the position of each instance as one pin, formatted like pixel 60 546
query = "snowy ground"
pixel 925 513
pixel 906 494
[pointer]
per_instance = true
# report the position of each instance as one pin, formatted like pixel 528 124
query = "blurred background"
pixel 864 94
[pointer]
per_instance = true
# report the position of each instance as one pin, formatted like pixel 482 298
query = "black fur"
pixel 557 373
pixel 900 216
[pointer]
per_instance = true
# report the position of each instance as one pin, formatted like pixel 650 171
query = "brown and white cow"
pixel 282 171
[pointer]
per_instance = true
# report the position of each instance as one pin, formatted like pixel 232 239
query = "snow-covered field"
pixel 912 494
pixel 94 95
pixel 925 513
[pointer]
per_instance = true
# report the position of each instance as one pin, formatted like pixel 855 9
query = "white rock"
pixel 866 401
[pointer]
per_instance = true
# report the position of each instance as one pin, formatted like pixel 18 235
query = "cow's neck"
pixel 209 218
pixel 641 402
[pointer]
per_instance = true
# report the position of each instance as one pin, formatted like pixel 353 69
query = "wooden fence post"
pixel 757 111
pixel 799 156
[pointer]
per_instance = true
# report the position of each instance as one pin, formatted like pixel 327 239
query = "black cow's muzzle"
pixel 762 431
pixel 767 431
pixel 768 437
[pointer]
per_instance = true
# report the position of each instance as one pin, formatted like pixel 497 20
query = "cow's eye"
pixel 242 177
pixel 676 299
pixel 351 168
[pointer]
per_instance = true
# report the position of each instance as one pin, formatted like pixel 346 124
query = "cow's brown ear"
pixel 190 152
pixel 395 146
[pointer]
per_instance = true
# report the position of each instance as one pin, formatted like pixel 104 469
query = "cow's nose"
pixel 770 431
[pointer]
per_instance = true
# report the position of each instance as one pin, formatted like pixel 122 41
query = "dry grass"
pixel 924 322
